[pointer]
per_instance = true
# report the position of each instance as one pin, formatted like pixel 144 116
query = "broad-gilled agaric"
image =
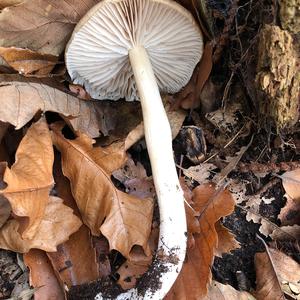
pixel 135 49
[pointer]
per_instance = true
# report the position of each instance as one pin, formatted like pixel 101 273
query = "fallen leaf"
pixel 286 233
pixel 5 210
pixel 291 184
pixel 30 179
pixel 195 276
pixel 290 213
pixel 57 224
pixel 226 240
pixel 7 3
pixel 3 129
pixel 43 277
pixel 27 62
pixel 273 269
pixel 75 260
pixel 123 219
pixel 219 291
pixel 41 25
pixel 199 173
pixel 79 91
pixel 267 282
pixel 134 178
pixel 25 97
pixel 138 263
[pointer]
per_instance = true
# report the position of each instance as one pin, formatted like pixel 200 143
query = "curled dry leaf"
pixel 30 179
pixel 291 184
pixel 25 97
pixel 56 225
pixel 75 260
pixel 123 219
pixel 43 277
pixel 286 233
pixel 41 25
pixel 27 62
pixel 195 277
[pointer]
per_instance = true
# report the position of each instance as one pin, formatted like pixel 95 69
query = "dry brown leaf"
pixel 219 291
pixel 25 97
pixel 43 277
pixel 290 213
pixel 30 178
pixel 195 277
pixel 291 184
pixel 27 62
pixel 5 210
pixel 3 129
pixel 57 224
pixel 138 263
pixel 226 240
pixel 41 25
pixel 79 91
pixel 286 233
pixel 134 178
pixel 7 3
pixel 75 260
pixel 273 269
pixel 267 283
pixel 123 219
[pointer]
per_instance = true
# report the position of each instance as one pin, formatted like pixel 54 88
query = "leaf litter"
pixel 107 189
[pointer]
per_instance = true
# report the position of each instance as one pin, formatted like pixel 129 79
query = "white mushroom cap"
pixel 97 54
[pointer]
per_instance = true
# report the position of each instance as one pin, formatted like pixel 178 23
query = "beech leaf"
pixel 123 219
pixel 57 224
pixel 30 179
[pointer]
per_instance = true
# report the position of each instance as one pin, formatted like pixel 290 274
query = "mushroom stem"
pixel 172 237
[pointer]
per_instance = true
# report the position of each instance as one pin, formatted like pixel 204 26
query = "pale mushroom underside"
pixel 97 54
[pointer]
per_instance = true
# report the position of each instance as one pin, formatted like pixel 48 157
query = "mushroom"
pixel 133 49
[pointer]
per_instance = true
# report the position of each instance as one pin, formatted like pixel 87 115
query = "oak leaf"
pixel 123 219
pixel 30 179
pixel 41 25
pixel 43 277
pixel 195 276
pixel 56 225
